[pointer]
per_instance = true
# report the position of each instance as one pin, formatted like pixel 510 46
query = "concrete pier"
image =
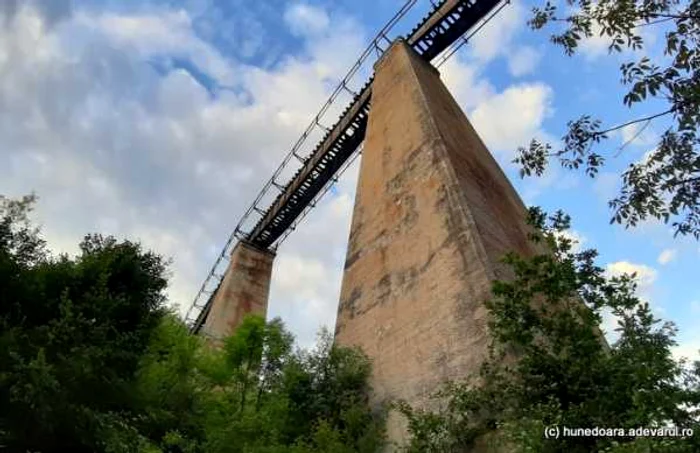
pixel 244 289
pixel 433 215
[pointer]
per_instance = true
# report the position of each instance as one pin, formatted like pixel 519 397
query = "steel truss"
pixel 446 24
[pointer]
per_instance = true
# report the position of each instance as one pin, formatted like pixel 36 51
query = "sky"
pixel 160 120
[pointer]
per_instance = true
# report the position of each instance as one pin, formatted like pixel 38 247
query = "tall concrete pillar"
pixel 433 215
pixel 244 289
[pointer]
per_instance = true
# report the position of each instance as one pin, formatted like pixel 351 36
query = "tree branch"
pixel 670 184
pixel 648 120
pixel 633 138
pixel 629 123
pixel 675 16
pixel 654 22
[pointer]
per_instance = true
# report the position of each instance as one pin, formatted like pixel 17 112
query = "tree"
pixel 92 361
pixel 304 401
pixel 549 366
pixel 168 393
pixel 71 335
pixel 330 385
pixel 666 184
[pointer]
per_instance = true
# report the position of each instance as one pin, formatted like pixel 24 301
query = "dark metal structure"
pixel 444 26
pixel 439 30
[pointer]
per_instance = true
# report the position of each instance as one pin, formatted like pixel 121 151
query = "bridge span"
pixel 439 31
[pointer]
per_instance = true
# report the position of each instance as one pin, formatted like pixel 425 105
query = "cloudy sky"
pixel 160 120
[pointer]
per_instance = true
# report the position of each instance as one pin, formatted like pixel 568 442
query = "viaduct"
pixel 433 215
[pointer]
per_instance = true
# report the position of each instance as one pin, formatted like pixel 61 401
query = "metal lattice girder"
pixel 202 316
pixel 337 146
pixel 446 24
pixel 443 26
pixel 448 21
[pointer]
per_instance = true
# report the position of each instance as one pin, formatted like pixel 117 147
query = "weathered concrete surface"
pixel 433 215
pixel 244 289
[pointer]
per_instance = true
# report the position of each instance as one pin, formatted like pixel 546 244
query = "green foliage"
pixel 71 334
pixel 276 400
pixel 91 361
pixel 550 366
pixel 168 395
pixel 666 184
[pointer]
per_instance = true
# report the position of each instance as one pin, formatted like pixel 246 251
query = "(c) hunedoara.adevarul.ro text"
pixel 555 432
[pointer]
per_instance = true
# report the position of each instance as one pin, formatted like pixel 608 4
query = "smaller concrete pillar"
pixel 244 289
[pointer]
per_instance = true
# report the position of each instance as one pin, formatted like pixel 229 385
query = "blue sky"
pixel 160 120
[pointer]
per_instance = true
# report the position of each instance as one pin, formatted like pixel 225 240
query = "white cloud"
pixel 111 145
pixel 465 83
pixel 495 38
pixel 596 45
pixel 576 238
pixel 304 19
pixel 667 255
pixel 150 35
pixel 645 275
pixel 635 135
pixel 554 178
pixel 298 276
pixel 308 272
pixel 50 12
pixel 645 278
pixel 521 109
pixel 688 349
pixel 523 60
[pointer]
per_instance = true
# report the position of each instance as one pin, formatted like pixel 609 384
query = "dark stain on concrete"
pixel 411 213
pixel 395 184
pixel 350 260
pixel 386 157
pixel 431 256
pixel 413 156
pixel 384 288
pixel 350 304
pixel 407 279
pixel 465 305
